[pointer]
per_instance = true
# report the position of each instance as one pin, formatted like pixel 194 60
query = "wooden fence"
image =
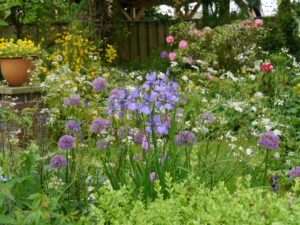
pixel 143 37
pixel 137 43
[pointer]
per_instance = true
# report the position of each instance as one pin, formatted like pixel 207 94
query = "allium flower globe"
pixel 97 125
pixel 66 142
pixel 269 140
pixel 58 161
pixel 99 84
pixel 163 54
pixel 292 172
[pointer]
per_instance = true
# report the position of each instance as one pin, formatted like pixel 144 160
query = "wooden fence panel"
pixel 144 38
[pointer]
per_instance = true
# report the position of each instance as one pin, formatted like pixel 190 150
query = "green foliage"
pixel 289 26
pixel 5 6
pixel 223 48
pixel 192 203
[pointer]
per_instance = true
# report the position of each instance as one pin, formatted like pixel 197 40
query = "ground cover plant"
pixel 212 139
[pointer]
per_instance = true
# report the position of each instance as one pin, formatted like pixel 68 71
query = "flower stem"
pixel 266 165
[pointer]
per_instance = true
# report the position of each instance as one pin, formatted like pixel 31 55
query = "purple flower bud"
pixel 269 140
pixel 152 177
pixel 66 142
pixel 99 84
pixel 58 161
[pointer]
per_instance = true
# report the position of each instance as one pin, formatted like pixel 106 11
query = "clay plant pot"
pixel 16 70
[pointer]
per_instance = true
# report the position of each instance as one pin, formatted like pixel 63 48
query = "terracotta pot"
pixel 15 70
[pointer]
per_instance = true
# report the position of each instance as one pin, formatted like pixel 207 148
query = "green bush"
pixel 192 203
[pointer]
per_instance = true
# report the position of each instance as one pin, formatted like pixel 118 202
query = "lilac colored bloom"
pixel 58 161
pixel 66 142
pixel 185 138
pixel 72 125
pixel 138 137
pixel 4 179
pixel 179 113
pixel 145 144
pixel 99 84
pixel 72 100
pixel 163 54
pixel 152 177
pixel 292 172
pixel 122 131
pixel 269 140
pixel 101 144
pixel 98 125
pixel 208 118
pixel 132 174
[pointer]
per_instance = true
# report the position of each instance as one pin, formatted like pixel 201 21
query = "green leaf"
pixel 6 220
pixel 3 23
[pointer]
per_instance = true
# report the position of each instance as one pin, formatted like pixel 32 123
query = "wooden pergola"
pixel 138 7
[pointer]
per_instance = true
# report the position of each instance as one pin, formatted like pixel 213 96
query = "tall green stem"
pixel 266 166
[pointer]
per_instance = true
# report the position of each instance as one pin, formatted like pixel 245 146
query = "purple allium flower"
pixel 186 137
pixel 66 142
pixel 72 100
pixel 292 172
pixel 98 125
pixel 152 177
pixel 269 140
pixel 163 54
pixel 58 161
pixel 4 179
pixel 208 118
pixel 99 84
pixel 101 144
pixel 72 125
pixel 138 137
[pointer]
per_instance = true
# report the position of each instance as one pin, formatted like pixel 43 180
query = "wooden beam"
pixel 125 14
pixel 140 13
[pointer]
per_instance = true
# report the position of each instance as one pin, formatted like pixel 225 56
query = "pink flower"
pixel 172 56
pixel 201 34
pixel 207 28
pixel 170 39
pixel 267 67
pixel 183 44
pixel 191 32
pixel 254 25
pixel 259 21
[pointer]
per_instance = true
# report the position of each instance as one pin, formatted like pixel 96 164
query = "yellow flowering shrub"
pixel 19 48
